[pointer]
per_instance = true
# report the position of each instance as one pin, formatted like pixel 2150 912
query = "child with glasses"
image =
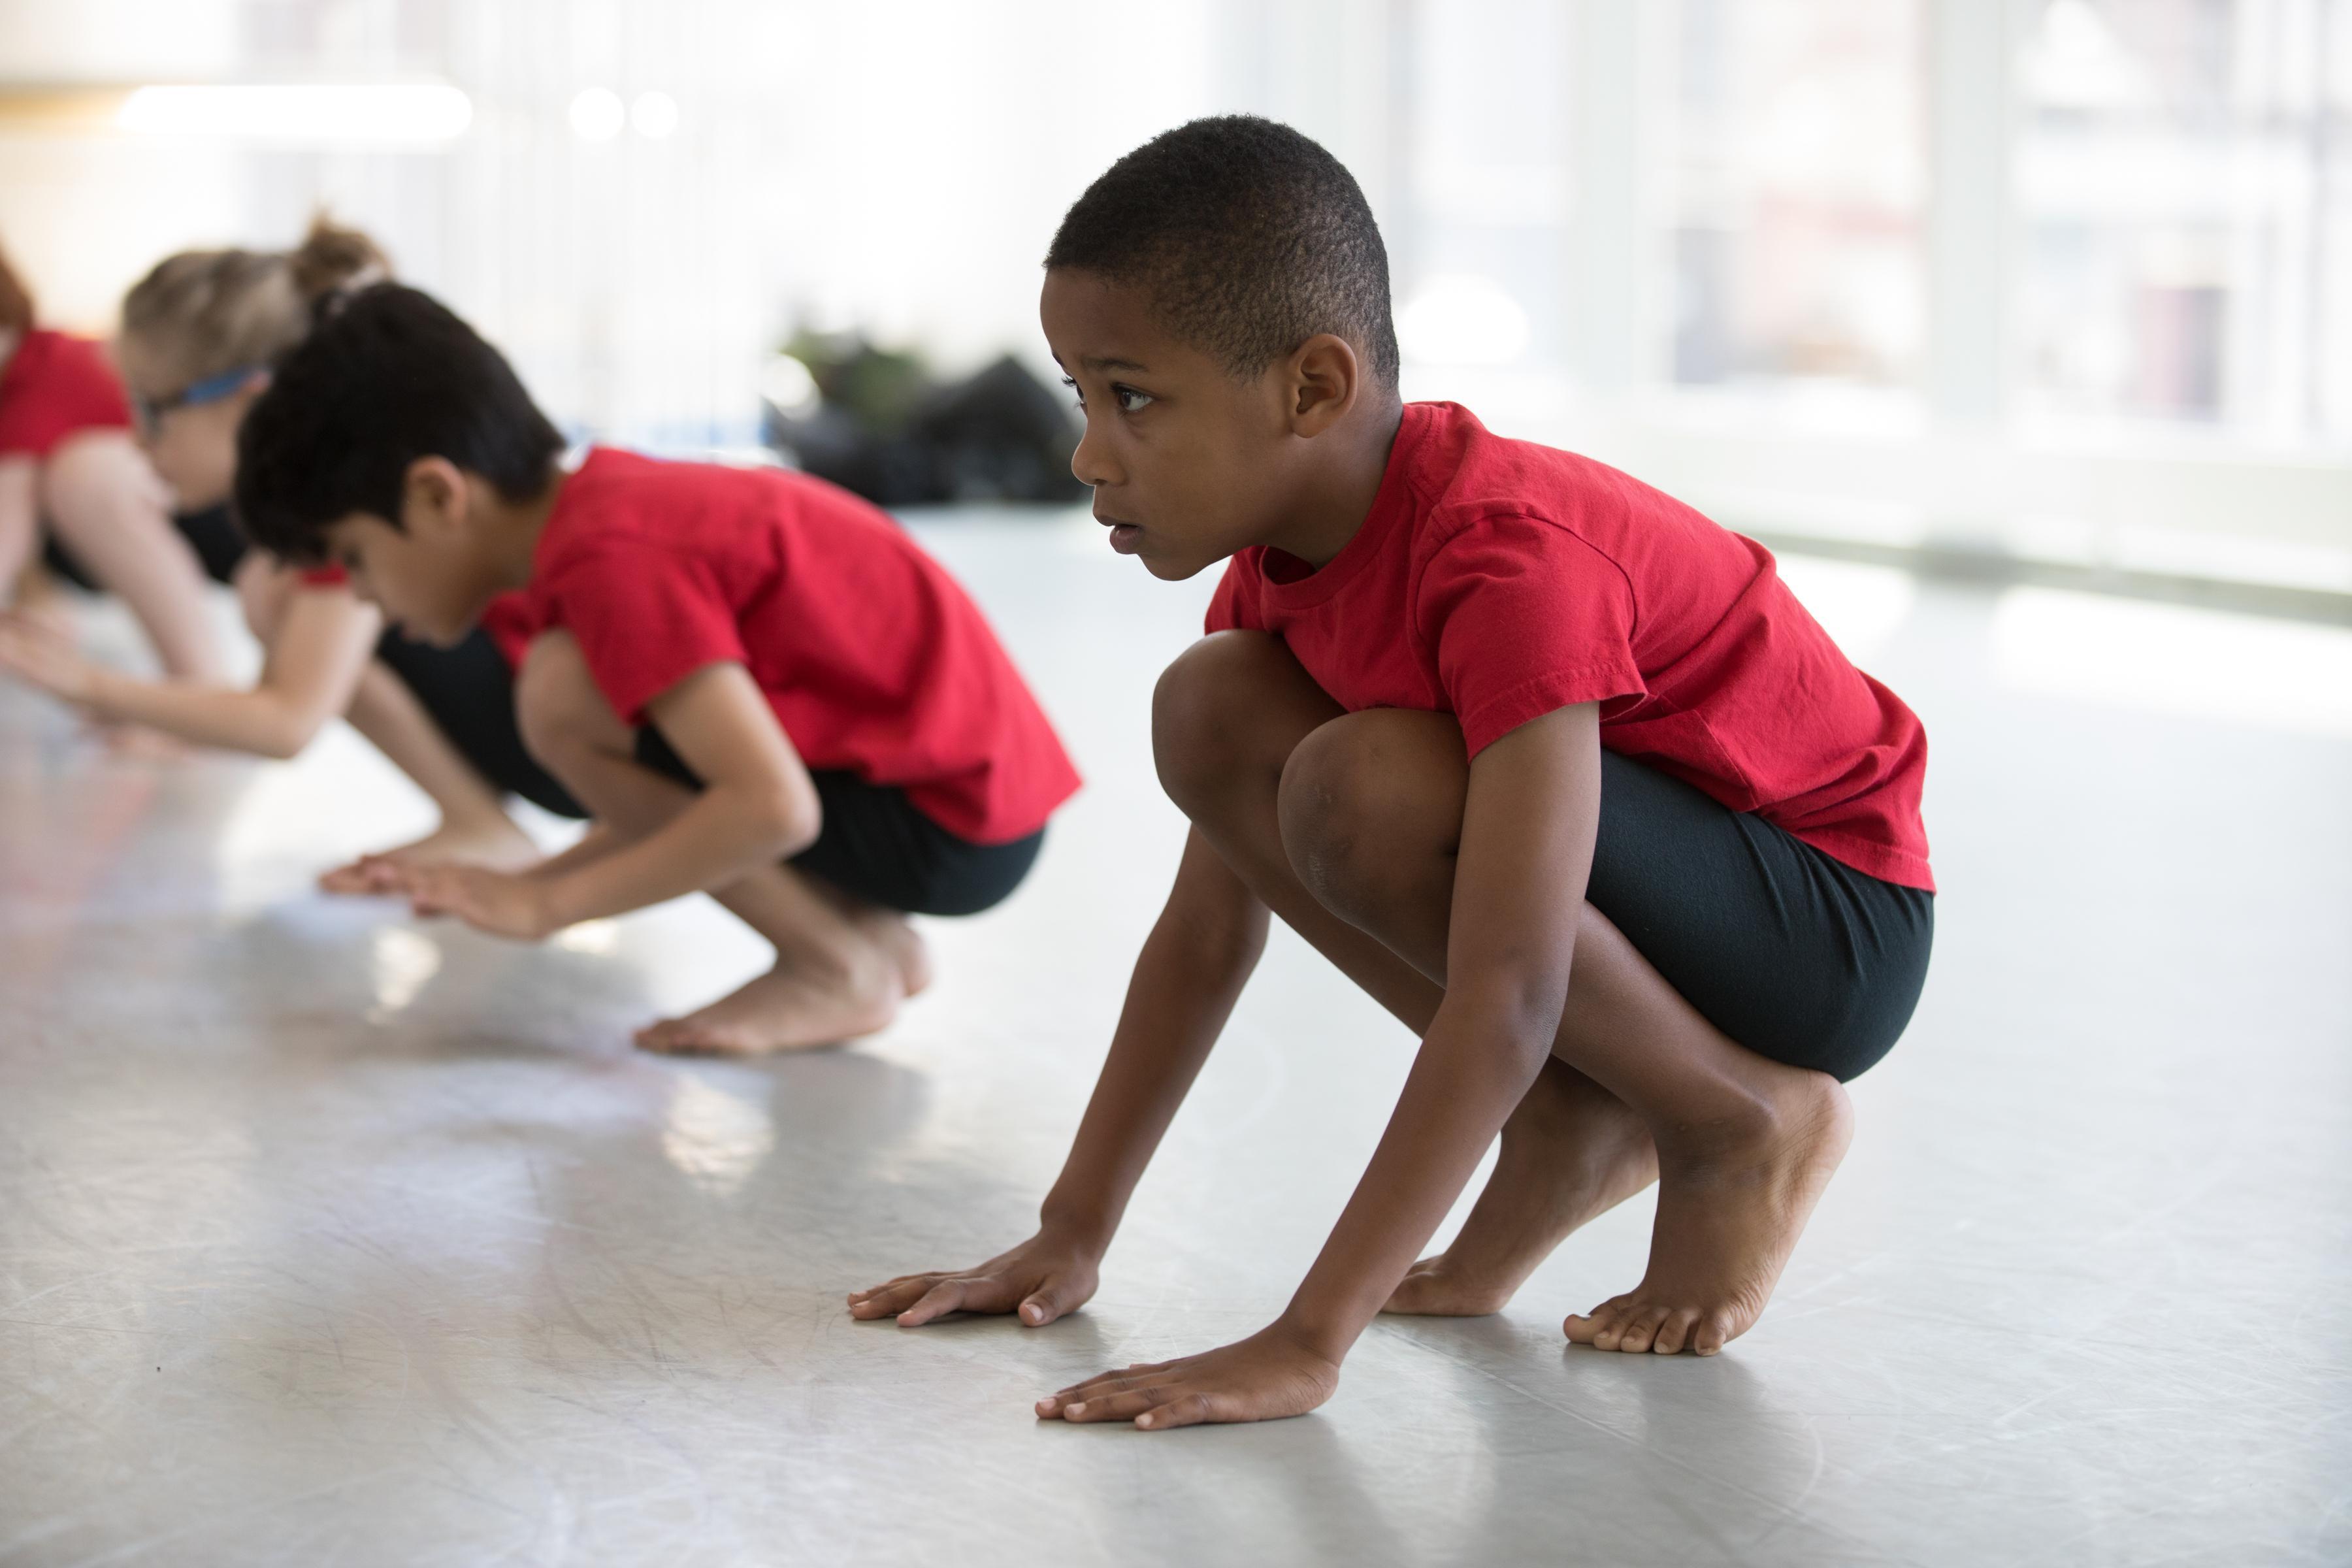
pixel 200 333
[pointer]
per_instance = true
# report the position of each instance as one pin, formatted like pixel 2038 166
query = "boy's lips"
pixel 1125 537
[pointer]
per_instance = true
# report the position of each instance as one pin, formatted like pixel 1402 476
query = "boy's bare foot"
pixel 494 844
pixel 806 1001
pixel 1571 1152
pixel 1729 1214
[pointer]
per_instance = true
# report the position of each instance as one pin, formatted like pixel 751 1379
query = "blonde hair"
pixel 204 312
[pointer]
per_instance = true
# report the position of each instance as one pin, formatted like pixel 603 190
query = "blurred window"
pixel 2186 205
pixel 1481 259
pixel 1798 165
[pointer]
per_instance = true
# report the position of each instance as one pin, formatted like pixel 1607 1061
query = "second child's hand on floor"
pixel 499 903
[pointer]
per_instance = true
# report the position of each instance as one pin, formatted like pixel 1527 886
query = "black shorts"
pixel 218 543
pixel 1794 954
pixel 469 691
pixel 875 843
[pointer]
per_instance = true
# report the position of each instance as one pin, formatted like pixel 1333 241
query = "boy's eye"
pixel 1129 400
pixel 1071 382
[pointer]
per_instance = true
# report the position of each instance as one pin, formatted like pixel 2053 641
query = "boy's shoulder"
pixel 1459 474
pixel 615 499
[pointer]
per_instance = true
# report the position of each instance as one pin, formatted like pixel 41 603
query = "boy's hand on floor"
pixel 498 903
pixel 1043 1278
pixel 39 656
pixel 1269 1375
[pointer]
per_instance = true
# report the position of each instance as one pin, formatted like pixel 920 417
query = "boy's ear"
pixel 1325 377
pixel 433 500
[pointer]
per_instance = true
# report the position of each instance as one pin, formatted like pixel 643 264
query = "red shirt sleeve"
pixel 1526 620
pixel 1226 610
pixel 55 386
pixel 322 576
pixel 646 620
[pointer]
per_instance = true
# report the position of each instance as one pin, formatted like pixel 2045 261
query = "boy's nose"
pixel 1090 462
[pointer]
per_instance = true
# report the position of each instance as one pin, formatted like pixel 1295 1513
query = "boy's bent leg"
pixel 1744 1145
pixel 842 968
pixel 1227 719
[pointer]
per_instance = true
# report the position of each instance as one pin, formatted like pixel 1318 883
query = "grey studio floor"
pixel 329 1238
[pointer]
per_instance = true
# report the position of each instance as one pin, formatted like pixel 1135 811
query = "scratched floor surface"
pixel 331 1238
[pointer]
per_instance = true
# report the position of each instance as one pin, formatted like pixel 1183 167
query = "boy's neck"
pixel 1335 490
pixel 514 530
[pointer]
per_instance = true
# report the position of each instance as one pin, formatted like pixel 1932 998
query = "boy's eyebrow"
pixel 1100 363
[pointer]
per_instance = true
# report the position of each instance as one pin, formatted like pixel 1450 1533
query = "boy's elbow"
pixel 285 737
pixel 790 820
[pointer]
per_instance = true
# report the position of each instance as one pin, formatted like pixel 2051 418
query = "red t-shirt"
pixel 55 386
pixel 874 658
pixel 1499 581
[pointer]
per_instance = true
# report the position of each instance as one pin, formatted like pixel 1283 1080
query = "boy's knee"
pixel 1367 800
pixel 558 707
pixel 1201 739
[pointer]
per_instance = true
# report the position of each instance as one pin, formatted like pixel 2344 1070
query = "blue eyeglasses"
pixel 195 394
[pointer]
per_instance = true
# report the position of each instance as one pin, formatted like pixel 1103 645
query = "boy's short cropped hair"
pixel 389 376
pixel 1248 237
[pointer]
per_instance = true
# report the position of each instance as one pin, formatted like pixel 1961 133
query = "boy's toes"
pixel 1675 1334
pixel 1599 1328
pixel 1641 1329
pixel 1712 1331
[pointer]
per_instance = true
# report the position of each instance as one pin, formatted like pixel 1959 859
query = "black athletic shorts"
pixel 1794 954
pixel 875 844
pixel 469 691
pixel 218 543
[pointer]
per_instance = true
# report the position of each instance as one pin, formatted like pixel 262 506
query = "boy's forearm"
pixel 600 842
pixel 1474 1067
pixel 722 836
pixel 1187 979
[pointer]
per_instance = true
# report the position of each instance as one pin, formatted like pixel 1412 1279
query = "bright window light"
pixel 1462 319
pixel 655 114
pixel 378 112
pixel 598 115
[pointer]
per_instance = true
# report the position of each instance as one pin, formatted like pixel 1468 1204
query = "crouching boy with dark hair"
pixel 1553 767
pixel 757 685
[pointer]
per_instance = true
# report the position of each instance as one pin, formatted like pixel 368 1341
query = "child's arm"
pixel 312 665
pixel 1526 852
pixel 1191 970
pixel 758 806
pixel 20 512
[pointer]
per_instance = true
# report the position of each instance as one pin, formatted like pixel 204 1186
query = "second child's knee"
pixel 558 707
pixel 91 474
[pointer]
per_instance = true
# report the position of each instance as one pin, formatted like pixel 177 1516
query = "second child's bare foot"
pixel 806 1001
pixel 494 844
pixel 1729 1213
pixel 1571 1152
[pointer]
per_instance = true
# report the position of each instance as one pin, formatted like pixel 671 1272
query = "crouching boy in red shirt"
pixel 757 685
pixel 1552 766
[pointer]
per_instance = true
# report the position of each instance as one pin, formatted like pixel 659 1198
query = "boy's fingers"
pixel 948 1296
pixel 1123 1406
pixel 892 1298
pixel 1042 1308
pixel 1185 1410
